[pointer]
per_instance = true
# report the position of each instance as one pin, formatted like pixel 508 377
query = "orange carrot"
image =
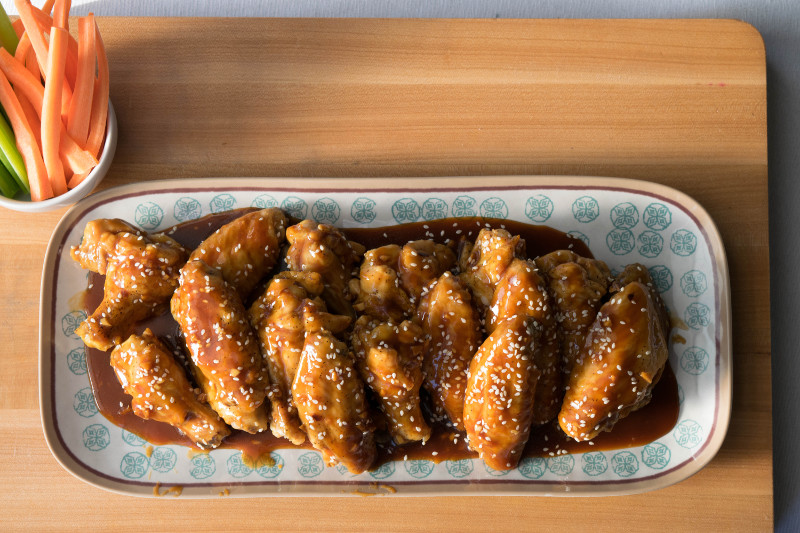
pixel 47 7
pixel 19 29
pixel 26 56
pixel 80 107
pixel 45 23
pixel 97 126
pixel 75 159
pixel 61 14
pixel 26 143
pixel 30 114
pixel 51 109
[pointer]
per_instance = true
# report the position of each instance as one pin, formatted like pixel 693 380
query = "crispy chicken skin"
pixel 245 250
pixel 324 249
pixel 623 358
pixel 578 286
pixel 500 393
pixel 639 272
pixel 288 309
pixel 453 329
pixel 224 351
pixel 141 274
pixel 520 294
pixel 331 402
pixel 483 264
pixel 389 358
pixel 148 372
pixel 421 262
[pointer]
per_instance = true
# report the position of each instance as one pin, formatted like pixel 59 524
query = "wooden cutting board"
pixel 679 102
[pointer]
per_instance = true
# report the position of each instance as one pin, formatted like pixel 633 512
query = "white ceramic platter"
pixel 623 221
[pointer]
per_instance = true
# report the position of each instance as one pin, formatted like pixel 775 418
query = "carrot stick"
pixel 61 14
pixel 47 7
pixel 80 107
pixel 97 125
pixel 34 32
pixel 45 23
pixel 75 159
pixel 19 29
pixel 30 114
pixel 51 109
pixel 26 56
pixel 26 143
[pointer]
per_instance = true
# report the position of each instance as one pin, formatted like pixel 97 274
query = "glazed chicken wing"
pixel 520 294
pixel 147 371
pixel 625 352
pixel 378 288
pixel 421 262
pixel 578 285
pixel 324 249
pixel 388 356
pixel 500 394
pixel 141 274
pixel 288 309
pixel 330 400
pixel 639 272
pixel 224 351
pixel 245 250
pixel 453 332
pixel 483 264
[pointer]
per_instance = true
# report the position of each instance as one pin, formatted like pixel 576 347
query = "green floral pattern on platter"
pixel 273 468
pixel 310 464
pixel 202 466
pixel 620 241
pixel 662 277
pixel 76 361
pixel 683 243
pixel 406 210
pixel 84 403
pixel 264 201
pixel 434 208
pixel 464 206
pixel 650 244
pixel 694 360
pixel 594 463
pixel 494 208
pixel 697 315
pixel 657 216
pixel 325 211
pixel 532 467
pixel 460 468
pixel 656 455
pixel 96 437
pixel 624 215
pixel 363 210
pixel 496 473
pixel 236 466
pixel 132 438
pixel 585 209
pixel 539 208
pixel 625 464
pixel 694 283
pixel 148 215
pixel 383 472
pixel 134 465
pixel 70 322
pixel 294 206
pixel 222 202
pixel 688 434
pixel 187 208
pixel 561 465
pixel 163 459
pixel 419 469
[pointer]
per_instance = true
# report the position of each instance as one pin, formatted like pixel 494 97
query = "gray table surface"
pixel 779 24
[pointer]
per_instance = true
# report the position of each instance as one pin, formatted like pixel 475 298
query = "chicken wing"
pixel 500 393
pixel 331 402
pixel 639 272
pixel 245 250
pixel 147 371
pixel 288 309
pixel 453 332
pixel 224 351
pixel 578 285
pixel 141 274
pixel 388 356
pixel 378 289
pixel 623 358
pixel 520 294
pixel 483 264
pixel 324 249
pixel 421 262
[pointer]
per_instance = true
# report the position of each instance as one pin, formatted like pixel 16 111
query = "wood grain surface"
pixel 679 102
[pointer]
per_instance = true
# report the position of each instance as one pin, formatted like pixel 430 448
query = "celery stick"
pixel 8 187
pixel 8 37
pixel 8 146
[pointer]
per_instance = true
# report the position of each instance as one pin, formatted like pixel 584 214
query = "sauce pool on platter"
pixel 653 417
